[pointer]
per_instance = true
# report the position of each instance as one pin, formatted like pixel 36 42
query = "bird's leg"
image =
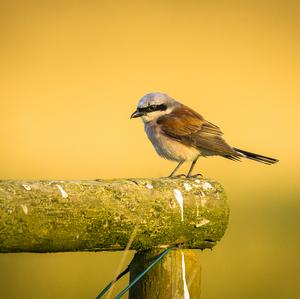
pixel 176 168
pixel 191 169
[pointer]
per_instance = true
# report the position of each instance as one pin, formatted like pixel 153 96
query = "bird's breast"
pixel 169 148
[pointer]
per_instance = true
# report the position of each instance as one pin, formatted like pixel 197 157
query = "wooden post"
pixel 146 215
pixel 52 216
pixel 176 276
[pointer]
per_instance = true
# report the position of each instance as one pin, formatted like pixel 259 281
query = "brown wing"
pixel 190 128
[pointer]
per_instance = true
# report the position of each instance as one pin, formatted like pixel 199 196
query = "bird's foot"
pixel 194 176
pixel 178 176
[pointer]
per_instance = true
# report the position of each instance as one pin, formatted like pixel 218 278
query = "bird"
pixel 179 133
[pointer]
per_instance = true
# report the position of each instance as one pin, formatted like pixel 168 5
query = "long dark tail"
pixel 256 157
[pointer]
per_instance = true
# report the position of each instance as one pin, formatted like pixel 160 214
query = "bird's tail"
pixel 256 157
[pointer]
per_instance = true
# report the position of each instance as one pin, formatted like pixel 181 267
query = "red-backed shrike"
pixel 180 134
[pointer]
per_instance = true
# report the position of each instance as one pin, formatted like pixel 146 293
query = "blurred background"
pixel 71 75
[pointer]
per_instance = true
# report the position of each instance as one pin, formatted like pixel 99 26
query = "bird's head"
pixel 153 105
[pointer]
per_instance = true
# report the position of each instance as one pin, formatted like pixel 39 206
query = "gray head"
pixel 153 105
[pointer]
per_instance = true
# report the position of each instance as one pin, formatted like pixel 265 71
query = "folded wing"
pixel 190 128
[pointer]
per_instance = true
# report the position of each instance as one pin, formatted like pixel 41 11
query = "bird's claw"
pixel 194 176
pixel 178 176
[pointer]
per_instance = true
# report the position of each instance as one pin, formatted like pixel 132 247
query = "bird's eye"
pixel 152 108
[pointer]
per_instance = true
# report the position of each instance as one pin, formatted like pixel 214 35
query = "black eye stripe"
pixel 152 108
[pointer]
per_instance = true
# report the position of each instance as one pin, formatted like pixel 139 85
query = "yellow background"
pixel 72 73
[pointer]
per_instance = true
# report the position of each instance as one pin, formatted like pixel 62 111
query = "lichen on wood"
pixel 53 216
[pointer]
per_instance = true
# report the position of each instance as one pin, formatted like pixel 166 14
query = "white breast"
pixel 169 148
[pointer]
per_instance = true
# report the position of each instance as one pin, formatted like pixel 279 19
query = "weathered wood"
pixel 52 216
pixel 176 276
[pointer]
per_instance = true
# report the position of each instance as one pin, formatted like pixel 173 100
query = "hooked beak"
pixel 137 113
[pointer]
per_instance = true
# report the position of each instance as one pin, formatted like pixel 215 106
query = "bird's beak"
pixel 137 113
